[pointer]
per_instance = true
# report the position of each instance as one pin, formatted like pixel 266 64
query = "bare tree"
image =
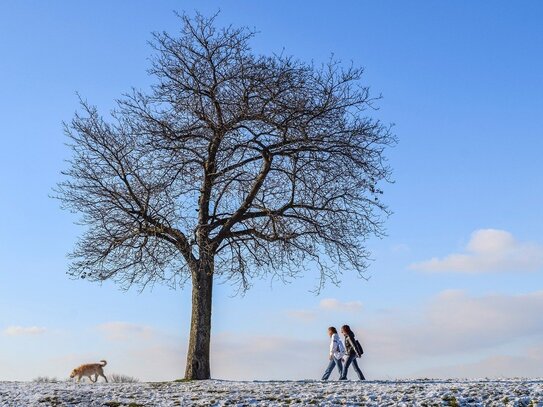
pixel 233 165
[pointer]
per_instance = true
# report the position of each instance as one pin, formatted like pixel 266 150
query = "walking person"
pixel 353 350
pixel 337 351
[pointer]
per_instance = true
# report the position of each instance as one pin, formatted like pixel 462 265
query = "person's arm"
pixel 333 346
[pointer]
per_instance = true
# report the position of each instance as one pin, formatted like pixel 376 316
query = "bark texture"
pixel 198 363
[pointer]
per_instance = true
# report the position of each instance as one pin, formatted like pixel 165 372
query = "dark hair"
pixel 333 329
pixel 347 330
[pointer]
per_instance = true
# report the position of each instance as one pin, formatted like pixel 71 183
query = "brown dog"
pixel 88 370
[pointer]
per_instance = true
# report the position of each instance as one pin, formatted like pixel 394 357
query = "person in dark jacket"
pixel 351 354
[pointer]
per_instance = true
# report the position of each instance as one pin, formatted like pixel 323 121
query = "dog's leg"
pixel 104 376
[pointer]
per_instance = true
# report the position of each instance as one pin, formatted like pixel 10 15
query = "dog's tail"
pixel 103 362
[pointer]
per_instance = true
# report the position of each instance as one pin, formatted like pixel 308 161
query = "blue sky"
pixel 462 81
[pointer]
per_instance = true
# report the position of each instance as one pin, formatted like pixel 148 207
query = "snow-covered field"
pixel 277 393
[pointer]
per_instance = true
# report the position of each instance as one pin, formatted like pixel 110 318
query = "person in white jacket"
pixel 337 351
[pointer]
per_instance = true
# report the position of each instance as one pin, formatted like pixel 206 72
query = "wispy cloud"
pixel 456 322
pixel 143 351
pixel 23 330
pixel 489 250
pixel 121 331
pixel 333 304
pixel 528 363
pixel 235 357
pixel 451 325
pixel 325 305
pixel 454 333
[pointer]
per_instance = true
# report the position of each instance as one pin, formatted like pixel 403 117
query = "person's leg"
pixel 328 370
pixel 358 371
pixel 339 364
pixel 346 367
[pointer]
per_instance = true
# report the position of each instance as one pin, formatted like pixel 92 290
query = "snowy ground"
pixel 274 393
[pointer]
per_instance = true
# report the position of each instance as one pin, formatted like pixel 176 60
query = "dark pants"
pixel 352 359
pixel 330 367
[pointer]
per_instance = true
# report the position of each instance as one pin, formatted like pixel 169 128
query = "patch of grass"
pixel 451 401
pixel 183 380
pixel 53 401
pixel 45 379
pixel 159 385
pixel 119 404
pixel 121 378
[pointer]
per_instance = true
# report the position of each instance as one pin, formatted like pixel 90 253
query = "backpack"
pixel 357 347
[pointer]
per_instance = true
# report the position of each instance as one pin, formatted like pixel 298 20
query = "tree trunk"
pixel 200 326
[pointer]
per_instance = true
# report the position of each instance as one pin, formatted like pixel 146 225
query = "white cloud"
pixel 455 323
pixel 486 320
pixel 158 356
pixel 158 361
pixel 23 330
pixel 259 357
pixel 325 305
pixel 142 351
pixel 233 357
pixel 453 334
pixel 489 250
pixel 122 331
pixel 332 304
pixel 528 363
